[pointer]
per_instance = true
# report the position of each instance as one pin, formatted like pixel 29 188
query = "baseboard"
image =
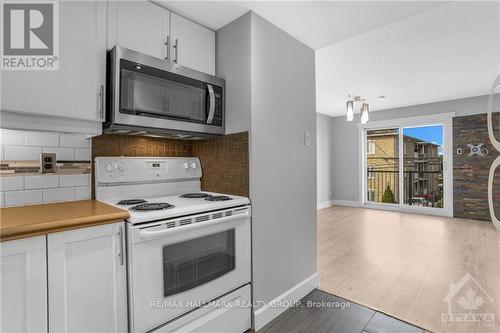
pixel 270 310
pixel 348 203
pixel 324 204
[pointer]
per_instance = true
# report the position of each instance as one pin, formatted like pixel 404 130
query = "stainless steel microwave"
pixel 151 96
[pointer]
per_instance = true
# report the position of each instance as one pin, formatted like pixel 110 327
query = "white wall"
pixel 343 143
pixel 282 168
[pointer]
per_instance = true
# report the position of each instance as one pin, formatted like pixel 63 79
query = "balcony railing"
pixel 420 188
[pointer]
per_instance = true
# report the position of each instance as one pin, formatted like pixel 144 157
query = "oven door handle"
pixel 211 106
pixel 176 230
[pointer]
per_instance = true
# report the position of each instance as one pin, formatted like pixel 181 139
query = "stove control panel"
pixel 143 169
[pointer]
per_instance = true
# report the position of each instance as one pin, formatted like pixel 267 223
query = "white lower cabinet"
pixel 24 285
pixel 87 280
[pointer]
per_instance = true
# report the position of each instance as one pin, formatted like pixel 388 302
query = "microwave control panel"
pixel 219 106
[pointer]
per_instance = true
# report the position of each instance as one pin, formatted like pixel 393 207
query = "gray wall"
pixel 233 64
pixel 326 159
pixel 282 170
pixel 343 143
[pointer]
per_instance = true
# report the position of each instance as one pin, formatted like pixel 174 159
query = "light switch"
pixel 307 139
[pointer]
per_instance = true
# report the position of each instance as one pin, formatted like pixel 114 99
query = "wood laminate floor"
pixel 405 264
pixel 320 312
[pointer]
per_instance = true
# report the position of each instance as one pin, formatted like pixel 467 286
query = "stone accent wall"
pixel 470 174
pixel 224 159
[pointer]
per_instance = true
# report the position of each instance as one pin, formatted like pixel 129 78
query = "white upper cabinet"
pixel 192 45
pixel 24 285
pixel 76 89
pixel 147 28
pixel 87 280
pixel 140 26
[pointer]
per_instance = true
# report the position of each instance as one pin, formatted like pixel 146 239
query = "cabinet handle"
pixel 176 47
pixel 167 43
pixel 120 254
pixel 101 102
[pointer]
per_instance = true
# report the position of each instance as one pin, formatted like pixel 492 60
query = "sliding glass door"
pixel 404 167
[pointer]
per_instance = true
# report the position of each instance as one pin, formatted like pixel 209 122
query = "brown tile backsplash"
pixel 470 173
pixel 225 164
pixel 224 159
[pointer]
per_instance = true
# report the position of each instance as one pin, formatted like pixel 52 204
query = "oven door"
pixel 175 270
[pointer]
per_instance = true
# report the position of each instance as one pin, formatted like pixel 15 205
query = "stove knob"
pixel 185 165
pixel 121 167
pixel 194 165
pixel 108 167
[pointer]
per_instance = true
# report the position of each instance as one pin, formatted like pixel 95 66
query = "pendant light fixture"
pixel 350 108
pixel 364 113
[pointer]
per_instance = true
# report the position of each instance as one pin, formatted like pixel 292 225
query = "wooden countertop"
pixel 27 221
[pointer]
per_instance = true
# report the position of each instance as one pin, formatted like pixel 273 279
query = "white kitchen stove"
pixel 181 206
pixel 186 252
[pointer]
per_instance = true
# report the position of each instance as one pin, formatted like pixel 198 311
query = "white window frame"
pixel 444 119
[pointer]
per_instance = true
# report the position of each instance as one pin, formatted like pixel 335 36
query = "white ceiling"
pixel 448 52
pixel 315 23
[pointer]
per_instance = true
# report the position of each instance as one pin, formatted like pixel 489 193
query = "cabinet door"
pixel 192 45
pixel 24 285
pixel 72 91
pixel 86 278
pixel 140 26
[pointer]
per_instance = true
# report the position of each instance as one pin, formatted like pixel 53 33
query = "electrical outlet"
pixel 48 162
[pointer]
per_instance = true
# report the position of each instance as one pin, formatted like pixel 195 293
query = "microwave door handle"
pixel 173 231
pixel 211 107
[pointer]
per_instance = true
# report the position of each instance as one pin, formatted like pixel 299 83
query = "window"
pixel 370 148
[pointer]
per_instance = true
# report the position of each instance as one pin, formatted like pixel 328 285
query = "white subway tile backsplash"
pixel 82 193
pixel 62 154
pixel 74 180
pixel 11 137
pixel 34 182
pixel 41 139
pixel 22 153
pixel 74 141
pixel 17 198
pixel 11 183
pixel 59 194
pixel 17 146
pixel 82 154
